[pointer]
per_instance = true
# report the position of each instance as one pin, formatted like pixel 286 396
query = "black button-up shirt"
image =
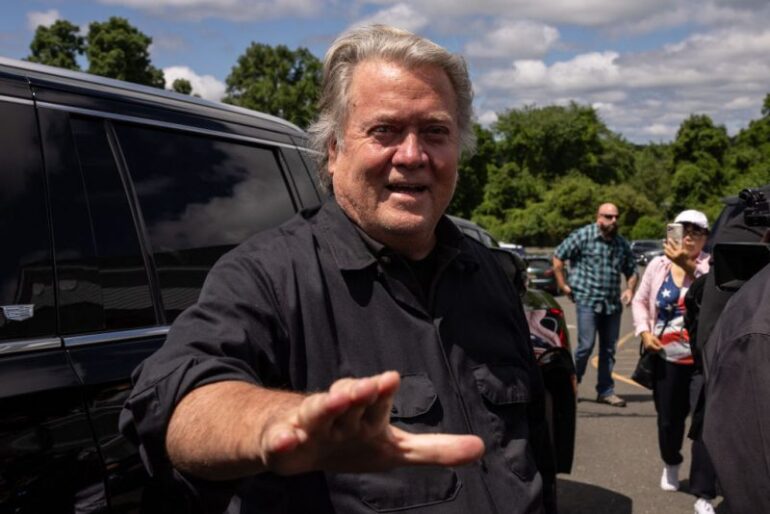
pixel 310 302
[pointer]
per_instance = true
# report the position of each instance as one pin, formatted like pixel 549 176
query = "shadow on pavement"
pixel 629 398
pixel 590 499
pixel 637 398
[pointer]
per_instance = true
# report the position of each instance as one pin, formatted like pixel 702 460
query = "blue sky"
pixel 645 65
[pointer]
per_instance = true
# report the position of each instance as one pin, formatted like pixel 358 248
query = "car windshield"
pixel 539 263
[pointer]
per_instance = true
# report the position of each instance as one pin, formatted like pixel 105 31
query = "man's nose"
pixel 410 152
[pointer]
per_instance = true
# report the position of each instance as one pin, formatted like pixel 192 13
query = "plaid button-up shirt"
pixel 595 267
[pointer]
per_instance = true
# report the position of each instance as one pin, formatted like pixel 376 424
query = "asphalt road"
pixel 617 465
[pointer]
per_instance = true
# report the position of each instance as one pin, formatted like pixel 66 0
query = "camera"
pixel 736 263
pixel 757 213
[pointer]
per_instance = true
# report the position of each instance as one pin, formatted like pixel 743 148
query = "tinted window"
pixel 26 293
pixel 306 189
pixel 199 197
pixel 125 292
pixel 539 264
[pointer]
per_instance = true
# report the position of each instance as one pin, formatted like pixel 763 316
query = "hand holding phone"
pixel 675 233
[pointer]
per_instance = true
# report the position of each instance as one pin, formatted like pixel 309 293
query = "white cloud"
pixel 519 38
pixel 206 86
pixel 487 118
pixel 723 73
pixel 659 129
pixel 233 10
pixel 41 18
pixel 400 15
pixel 584 12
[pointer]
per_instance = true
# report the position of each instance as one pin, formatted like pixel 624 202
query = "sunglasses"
pixel 609 216
pixel 693 231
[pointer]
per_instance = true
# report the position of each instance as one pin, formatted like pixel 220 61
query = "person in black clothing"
pixel 735 427
pixel 364 356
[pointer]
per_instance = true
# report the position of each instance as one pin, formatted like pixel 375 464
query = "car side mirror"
pixel 515 268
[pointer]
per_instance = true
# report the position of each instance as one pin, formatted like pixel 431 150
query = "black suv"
pixel 115 200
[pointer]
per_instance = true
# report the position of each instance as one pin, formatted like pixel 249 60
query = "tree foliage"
pixel 552 141
pixel 181 85
pixel 119 50
pixel 473 173
pixel 57 45
pixel 278 81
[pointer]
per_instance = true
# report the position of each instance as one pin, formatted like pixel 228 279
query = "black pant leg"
pixel 702 474
pixel 703 478
pixel 671 392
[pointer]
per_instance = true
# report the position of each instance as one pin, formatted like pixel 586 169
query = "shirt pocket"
pixel 506 390
pixel 417 409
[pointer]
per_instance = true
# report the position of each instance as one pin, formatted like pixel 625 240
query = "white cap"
pixel 693 217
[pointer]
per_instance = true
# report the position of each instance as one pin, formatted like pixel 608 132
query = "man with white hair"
pixel 364 356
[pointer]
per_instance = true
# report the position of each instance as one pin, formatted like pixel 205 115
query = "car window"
pixel 539 263
pixel 199 197
pixel 26 272
pixel 306 188
pixel 120 271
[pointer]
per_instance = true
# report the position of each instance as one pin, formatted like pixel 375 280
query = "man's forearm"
pixel 558 273
pixel 632 281
pixel 215 431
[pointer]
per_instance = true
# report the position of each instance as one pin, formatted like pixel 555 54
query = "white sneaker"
pixel 669 480
pixel 703 506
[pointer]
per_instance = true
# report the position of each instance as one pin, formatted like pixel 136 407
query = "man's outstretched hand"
pixel 348 429
pixel 233 429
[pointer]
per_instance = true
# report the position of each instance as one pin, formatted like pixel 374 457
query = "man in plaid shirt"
pixel 597 256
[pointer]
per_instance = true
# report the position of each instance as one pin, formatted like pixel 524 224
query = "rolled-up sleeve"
pixel 231 333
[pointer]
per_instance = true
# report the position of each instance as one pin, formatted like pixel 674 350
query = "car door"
pixel 136 232
pixel 48 458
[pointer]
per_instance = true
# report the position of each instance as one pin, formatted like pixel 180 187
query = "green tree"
pixel 648 227
pixel 748 158
pixel 552 141
pixel 119 50
pixel 57 45
pixel 699 175
pixel 567 204
pixel 509 187
pixel 653 169
pixel 181 85
pixel 472 174
pixel 277 81
pixel 699 138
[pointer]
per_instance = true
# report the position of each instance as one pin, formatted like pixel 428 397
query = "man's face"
pixel 607 219
pixel 396 169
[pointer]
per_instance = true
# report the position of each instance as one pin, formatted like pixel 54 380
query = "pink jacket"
pixel 643 305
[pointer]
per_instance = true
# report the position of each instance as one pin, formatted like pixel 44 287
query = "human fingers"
pixel 437 449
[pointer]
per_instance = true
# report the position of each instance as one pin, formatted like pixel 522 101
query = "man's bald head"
pixel 607 219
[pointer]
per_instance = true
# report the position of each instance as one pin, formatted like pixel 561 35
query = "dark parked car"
pixel 541 275
pixel 549 337
pixel 115 200
pixel 645 250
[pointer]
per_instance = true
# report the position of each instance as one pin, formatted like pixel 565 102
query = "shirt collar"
pixel 354 249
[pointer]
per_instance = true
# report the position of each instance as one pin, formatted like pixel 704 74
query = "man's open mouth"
pixel 406 188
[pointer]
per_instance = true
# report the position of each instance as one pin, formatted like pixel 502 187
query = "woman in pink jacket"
pixel 658 311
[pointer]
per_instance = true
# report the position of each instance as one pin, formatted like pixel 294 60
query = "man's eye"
pixel 437 130
pixel 382 129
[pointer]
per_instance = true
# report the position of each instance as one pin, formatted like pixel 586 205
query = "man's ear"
pixel 332 150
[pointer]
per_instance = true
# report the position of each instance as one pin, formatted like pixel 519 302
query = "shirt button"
pixel 386 259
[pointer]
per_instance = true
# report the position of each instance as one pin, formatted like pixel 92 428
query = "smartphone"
pixel 675 233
